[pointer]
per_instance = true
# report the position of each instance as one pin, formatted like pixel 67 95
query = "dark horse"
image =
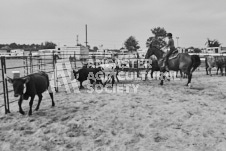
pixel 181 62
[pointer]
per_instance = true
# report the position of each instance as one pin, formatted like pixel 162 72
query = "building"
pixel 17 52
pixel 182 50
pixel 215 50
pixel 4 52
pixel 80 52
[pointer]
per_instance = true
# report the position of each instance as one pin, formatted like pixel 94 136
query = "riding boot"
pixel 163 64
pixel 166 67
pixel 166 64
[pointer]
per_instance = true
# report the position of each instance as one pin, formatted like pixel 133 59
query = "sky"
pixel 111 22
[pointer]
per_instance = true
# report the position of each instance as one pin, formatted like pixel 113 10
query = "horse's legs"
pixel 225 70
pixel 168 77
pixel 117 75
pixel 210 71
pixel 217 70
pixel 222 71
pixel 152 71
pixel 161 77
pixel 177 74
pixel 189 78
pixel 207 70
pixel 113 80
pixel 182 75
pixel 146 74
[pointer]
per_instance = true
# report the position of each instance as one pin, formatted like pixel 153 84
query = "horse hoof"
pixel 189 85
pixel 30 113
pixel 81 88
pixel 22 112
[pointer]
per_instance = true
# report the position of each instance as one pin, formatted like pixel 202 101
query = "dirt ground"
pixel 155 118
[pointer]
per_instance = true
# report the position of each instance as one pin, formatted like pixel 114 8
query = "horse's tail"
pixel 196 61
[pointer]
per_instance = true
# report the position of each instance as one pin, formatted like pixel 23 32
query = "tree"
pixel 191 47
pixel 13 45
pixel 197 50
pixel 27 47
pixel 95 48
pixel 49 45
pixel 131 44
pixel 213 43
pixel 158 39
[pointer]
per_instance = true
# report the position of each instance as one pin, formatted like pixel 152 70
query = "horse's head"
pixel 152 50
pixel 149 53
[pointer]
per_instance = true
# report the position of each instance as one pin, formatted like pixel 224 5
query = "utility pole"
pixel 86 37
pixel 77 40
pixel 177 41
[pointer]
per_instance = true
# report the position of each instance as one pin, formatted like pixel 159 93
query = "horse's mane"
pixel 156 48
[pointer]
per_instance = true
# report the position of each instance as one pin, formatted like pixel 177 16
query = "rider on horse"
pixel 172 49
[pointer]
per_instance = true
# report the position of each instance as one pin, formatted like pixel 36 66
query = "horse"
pixel 215 61
pixel 180 62
pixel 154 66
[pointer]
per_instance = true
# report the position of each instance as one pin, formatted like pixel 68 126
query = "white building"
pixel 215 50
pixel 17 52
pixel 80 52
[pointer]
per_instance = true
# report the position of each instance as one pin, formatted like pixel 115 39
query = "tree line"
pixel 28 47
pixel 157 40
pixel 131 44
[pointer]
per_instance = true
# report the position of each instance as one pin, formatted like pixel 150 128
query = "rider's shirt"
pixel 170 44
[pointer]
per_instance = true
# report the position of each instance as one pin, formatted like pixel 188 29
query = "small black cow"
pixel 35 84
pixel 92 74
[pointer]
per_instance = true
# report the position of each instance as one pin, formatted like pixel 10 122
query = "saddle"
pixel 173 55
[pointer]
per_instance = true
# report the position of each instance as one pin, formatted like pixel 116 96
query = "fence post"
pixel 31 65
pixel 24 63
pixel 5 89
pixel 27 65
pixel 55 73
pixel 54 59
pixel 74 60
pixel 6 84
pixel 138 73
pixel 39 64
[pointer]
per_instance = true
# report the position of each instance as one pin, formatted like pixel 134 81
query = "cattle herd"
pixel 37 83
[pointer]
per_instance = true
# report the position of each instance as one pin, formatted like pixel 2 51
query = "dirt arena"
pixel 155 118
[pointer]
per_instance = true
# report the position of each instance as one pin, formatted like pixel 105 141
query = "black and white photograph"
pixel 112 75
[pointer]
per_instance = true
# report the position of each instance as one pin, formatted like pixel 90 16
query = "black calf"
pixel 35 84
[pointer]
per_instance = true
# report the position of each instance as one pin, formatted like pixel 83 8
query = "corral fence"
pixel 56 64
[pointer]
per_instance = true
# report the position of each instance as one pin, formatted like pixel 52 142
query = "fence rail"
pixel 30 64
